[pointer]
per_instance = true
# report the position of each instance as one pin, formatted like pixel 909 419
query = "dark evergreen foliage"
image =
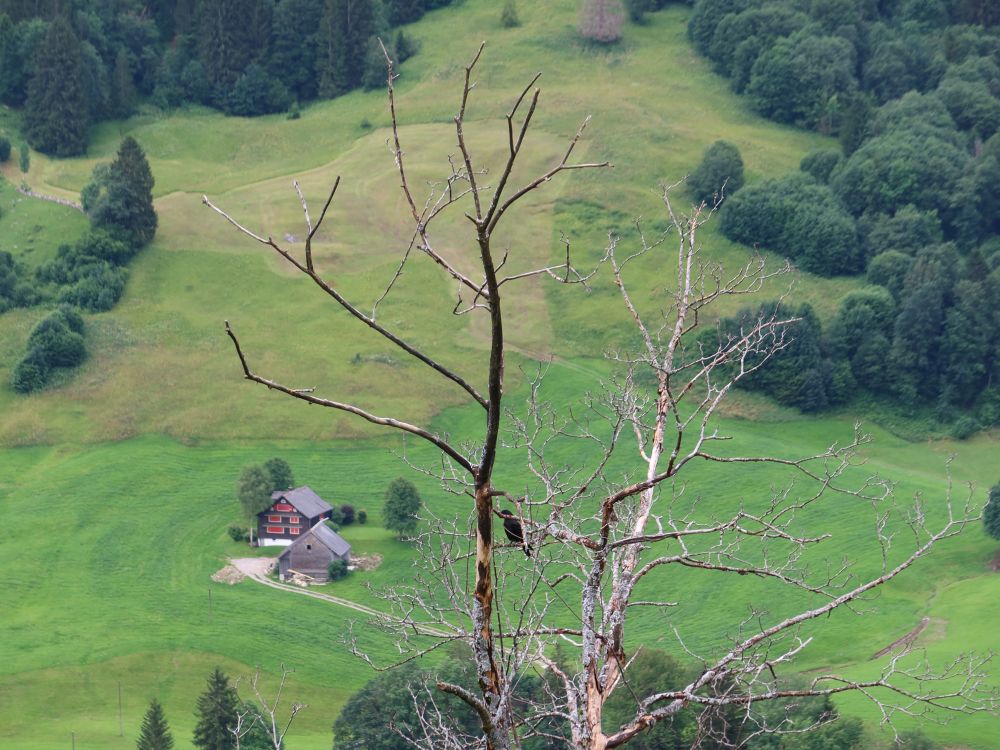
pixel 124 204
pixel 991 513
pixel 798 218
pixel 216 712
pixel 55 342
pixel 154 733
pixel 337 569
pixel 347 514
pixel 56 111
pixel 820 164
pixel 719 173
pixel 4 149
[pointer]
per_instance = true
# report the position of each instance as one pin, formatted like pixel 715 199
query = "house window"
pixel 309 546
pixel 275 529
pixel 274 519
pixel 284 507
pixel 293 519
pixel 294 531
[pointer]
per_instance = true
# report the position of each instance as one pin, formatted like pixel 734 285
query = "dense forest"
pixel 912 90
pixel 72 64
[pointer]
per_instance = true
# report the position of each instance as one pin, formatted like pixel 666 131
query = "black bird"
pixel 512 528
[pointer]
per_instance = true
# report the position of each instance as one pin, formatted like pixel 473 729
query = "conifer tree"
pixel 216 712
pixel 155 733
pixel 344 32
pixel 55 113
pixel 122 87
pixel 124 204
pixel 991 513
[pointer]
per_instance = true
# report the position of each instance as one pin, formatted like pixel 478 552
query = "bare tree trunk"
pixel 604 534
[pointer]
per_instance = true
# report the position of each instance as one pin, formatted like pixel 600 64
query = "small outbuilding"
pixel 312 553
pixel 291 514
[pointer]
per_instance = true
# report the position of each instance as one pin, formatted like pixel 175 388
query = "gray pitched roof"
pixel 307 502
pixel 322 534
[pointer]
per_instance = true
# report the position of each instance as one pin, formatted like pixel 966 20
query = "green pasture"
pixel 110 578
pixel 117 483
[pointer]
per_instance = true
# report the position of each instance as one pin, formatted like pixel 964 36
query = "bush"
pixel 29 376
pixel 965 427
pixel 336 517
pixel 238 533
pixel 257 93
pixel 798 218
pixel 98 289
pixel 362 516
pixel 24 157
pixel 820 164
pixel 347 513
pixel 508 16
pixel 337 570
pixel 720 171
pixel 4 149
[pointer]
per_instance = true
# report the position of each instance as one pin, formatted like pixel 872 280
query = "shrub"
pixel 337 570
pixel 98 289
pixel 29 375
pixel 720 171
pixel 965 427
pixel 347 513
pixel 362 516
pixel 508 16
pixel 257 93
pixel 336 517
pixel 4 149
pixel 798 218
pixel 23 157
pixel 238 533
pixel 820 164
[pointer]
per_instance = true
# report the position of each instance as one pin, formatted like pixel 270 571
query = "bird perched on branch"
pixel 512 528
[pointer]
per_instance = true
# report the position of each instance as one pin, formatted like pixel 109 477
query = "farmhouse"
pixel 312 553
pixel 292 513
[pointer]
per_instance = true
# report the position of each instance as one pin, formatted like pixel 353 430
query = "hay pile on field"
pixel 228 574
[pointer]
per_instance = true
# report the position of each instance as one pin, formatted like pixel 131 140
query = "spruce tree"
pixel 55 113
pixel 216 712
pixel 155 733
pixel 122 87
pixel 125 204
pixel 344 32
pixel 991 513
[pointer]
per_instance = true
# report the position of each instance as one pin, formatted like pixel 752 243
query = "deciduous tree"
pixel 402 504
pixel 602 535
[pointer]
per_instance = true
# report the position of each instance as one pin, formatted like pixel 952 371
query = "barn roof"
pixel 304 499
pixel 321 534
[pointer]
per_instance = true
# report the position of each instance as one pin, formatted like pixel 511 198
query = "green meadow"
pixel 117 483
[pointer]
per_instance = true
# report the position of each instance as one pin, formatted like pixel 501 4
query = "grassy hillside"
pixel 116 487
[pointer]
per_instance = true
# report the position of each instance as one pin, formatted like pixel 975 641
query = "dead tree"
pixel 597 538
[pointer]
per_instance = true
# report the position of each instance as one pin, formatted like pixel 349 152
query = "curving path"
pixel 255 568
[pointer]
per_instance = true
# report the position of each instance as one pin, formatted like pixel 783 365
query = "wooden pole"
pixel 121 723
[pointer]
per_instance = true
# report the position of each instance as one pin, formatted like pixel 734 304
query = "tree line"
pixel 911 199
pixel 75 63
pixel 398 697
pixel 912 90
pixel 87 275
